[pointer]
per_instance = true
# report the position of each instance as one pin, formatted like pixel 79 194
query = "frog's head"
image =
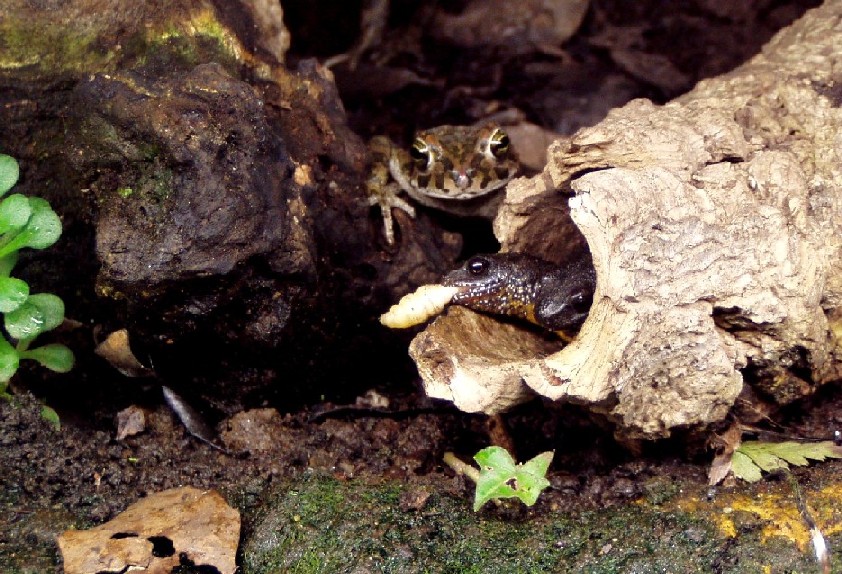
pixel 461 162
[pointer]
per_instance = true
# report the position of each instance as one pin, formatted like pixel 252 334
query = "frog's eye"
pixel 498 144
pixel 477 265
pixel 420 152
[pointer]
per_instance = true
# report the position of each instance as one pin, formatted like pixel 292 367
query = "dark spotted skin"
pixel 557 298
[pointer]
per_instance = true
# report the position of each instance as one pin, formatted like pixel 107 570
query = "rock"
pixel 220 192
pixel 202 182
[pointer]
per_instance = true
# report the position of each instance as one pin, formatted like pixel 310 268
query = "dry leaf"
pixel 116 350
pixel 130 421
pixel 721 465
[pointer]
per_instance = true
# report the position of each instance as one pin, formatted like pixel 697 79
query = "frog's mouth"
pixel 460 186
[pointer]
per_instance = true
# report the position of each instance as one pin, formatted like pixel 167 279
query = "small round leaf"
pixel 54 356
pixel 42 230
pixel 40 313
pixel 9 360
pixel 14 212
pixel 8 263
pixel 9 173
pixel 44 225
pixel 13 293
pixel 51 416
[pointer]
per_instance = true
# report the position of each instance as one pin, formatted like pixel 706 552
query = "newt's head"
pixel 504 283
pixel 554 297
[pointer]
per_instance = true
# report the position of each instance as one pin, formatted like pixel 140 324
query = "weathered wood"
pixel 715 227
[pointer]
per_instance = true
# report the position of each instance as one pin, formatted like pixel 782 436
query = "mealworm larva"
pixel 418 306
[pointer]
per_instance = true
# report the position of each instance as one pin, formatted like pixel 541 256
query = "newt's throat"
pixel 513 299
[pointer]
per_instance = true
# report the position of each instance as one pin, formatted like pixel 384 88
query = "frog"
pixel 556 298
pixel 460 170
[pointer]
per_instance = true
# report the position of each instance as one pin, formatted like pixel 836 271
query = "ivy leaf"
pixel 9 173
pixel 41 312
pixel 13 293
pixel 501 477
pixel 54 356
pixel 752 457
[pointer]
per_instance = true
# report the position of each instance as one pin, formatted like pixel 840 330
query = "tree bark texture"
pixel 715 228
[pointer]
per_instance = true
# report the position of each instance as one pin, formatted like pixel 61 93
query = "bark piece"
pixel 477 364
pixel 153 535
pixel 714 225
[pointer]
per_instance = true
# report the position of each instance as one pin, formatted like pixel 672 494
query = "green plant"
pixel 752 457
pixel 26 222
pixel 499 476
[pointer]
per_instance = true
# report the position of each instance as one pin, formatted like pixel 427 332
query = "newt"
pixel 556 298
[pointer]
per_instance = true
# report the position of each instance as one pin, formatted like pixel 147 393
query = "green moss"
pixel 324 525
pixel 49 46
pixel 660 490
pixel 321 525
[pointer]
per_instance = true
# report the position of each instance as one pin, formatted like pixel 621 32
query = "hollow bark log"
pixel 715 227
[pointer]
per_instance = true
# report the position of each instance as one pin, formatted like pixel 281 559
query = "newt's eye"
pixel 420 152
pixel 581 301
pixel 498 144
pixel 477 265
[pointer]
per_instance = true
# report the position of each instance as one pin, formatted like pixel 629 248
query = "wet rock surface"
pixel 191 182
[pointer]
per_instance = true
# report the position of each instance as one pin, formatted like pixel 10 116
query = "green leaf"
pixel 14 212
pixel 753 456
pixel 761 455
pixel 501 477
pixel 7 263
pixel 13 293
pixel 44 223
pixel 51 416
pixel 743 467
pixel 9 361
pixel 9 173
pixel 42 230
pixel 40 313
pixel 798 453
pixel 54 356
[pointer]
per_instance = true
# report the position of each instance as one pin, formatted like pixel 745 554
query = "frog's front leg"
pixel 381 188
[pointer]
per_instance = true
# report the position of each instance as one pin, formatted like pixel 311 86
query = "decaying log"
pixel 715 225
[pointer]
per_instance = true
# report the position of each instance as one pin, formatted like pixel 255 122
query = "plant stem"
pixel 23 345
pixel 460 467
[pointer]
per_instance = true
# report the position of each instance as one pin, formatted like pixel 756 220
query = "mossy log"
pixel 715 225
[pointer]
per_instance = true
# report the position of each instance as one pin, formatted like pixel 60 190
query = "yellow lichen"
pixel 777 511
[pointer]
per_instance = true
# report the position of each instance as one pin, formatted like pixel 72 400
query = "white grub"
pixel 416 307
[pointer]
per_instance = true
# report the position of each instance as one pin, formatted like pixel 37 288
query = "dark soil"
pixel 81 475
